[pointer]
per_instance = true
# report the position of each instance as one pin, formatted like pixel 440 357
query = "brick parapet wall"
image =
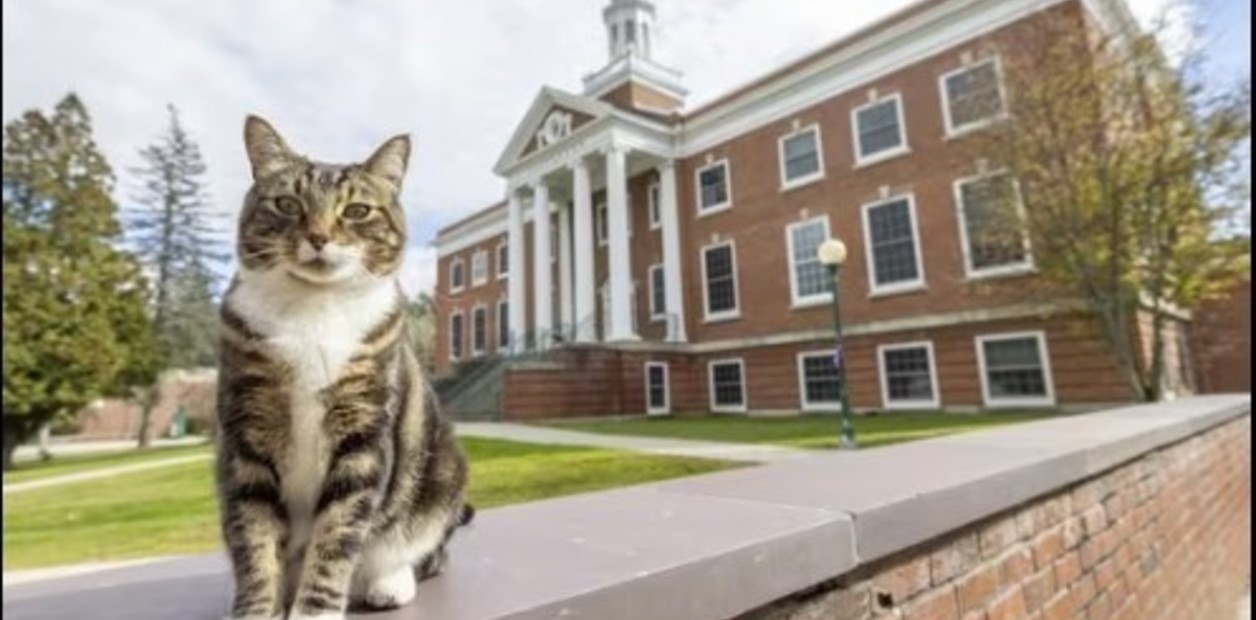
pixel 1164 537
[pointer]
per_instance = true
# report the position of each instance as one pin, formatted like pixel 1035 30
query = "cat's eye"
pixel 288 206
pixel 356 211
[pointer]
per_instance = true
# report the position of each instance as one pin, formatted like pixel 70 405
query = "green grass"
pixel 62 465
pixel 172 510
pixel 810 431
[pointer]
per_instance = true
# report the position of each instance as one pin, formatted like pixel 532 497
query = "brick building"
pixel 677 270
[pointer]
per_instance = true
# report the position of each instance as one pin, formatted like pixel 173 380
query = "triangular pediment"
pixel 553 116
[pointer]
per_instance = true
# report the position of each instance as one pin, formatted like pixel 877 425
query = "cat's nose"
pixel 318 240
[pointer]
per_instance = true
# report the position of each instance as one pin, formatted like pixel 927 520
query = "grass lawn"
pixel 72 464
pixel 811 431
pixel 172 510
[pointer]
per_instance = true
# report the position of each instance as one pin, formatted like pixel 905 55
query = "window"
pixel 1015 370
pixel 655 209
pixel 601 225
pixel 908 379
pixel 819 382
pixel 455 336
pixel 479 330
pixel 713 192
pixel 658 292
pixel 892 246
pixel 657 399
pixel 801 159
pixel 992 230
pixel 503 261
pixel 503 325
pixel 553 241
pixel 728 389
pixel 719 271
pixel 879 130
pixel 479 268
pixel 809 281
pixel 457 276
pixel 972 96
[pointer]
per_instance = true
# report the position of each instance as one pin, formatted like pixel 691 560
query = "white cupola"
pixel 630 68
pixel 629 28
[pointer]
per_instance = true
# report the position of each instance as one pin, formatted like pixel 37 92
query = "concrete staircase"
pixel 474 391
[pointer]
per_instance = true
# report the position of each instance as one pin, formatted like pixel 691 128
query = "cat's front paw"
pixel 391 591
pixel 296 615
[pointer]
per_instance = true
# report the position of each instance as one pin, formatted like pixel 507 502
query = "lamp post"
pixel 832 253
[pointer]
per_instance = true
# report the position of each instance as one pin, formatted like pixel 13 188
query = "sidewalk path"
pixel 757 453
pixel 31 452
pixel 19 487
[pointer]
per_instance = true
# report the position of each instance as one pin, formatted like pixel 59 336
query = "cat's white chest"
pixel 314 332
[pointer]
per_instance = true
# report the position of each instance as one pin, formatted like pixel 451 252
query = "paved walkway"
pixel 19 487
pixel 756 453
pixel 31 452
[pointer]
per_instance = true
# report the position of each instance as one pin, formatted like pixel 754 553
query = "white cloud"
pixel 339 77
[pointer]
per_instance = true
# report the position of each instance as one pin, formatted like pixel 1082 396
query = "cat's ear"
pixel 390 160
pixel 267 151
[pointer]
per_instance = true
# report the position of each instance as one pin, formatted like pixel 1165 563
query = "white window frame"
pixel 1044 357
pixel 728 183
pixel 483 310
pixel 667 389
pixel 745 392
pixel 726 315
pixel 951 130
pixel 462 344
pixel 903 148
pixel 457 288
pixel 816 299
pixel 1009 269
pixel 653 198
pixel 601 227
pixel 803 403
pixel 502 325
pixel 787 183
pixel 655 318
pixel 503 247
pixel 875 290
pixel 933 402
pixel 482 257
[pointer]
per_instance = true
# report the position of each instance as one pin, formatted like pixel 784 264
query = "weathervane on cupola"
pixel 631 77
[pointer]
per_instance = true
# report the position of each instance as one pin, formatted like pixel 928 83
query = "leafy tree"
pixel 1127 168
pixel 421 329
pixel 174 231
pixel 76 325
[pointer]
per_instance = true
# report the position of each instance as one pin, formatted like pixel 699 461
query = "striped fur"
pixel 339 481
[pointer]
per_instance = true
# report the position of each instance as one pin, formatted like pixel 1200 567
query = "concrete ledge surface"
pixel 703 548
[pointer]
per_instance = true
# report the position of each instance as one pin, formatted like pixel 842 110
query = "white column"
pixel 542 291
pixel 619 252
pixel 672 286
pixel 585 302
pixel 515 283
pixel 565 311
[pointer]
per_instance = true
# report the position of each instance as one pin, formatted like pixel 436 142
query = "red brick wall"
pixel 1164 537
pixel 589 382
pixel 1221 336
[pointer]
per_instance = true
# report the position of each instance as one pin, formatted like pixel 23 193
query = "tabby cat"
pixel 339 482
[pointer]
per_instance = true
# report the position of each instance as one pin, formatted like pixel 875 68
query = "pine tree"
pixel 174 229
pixel 76 325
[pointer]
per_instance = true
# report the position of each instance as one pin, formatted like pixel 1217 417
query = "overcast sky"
pixel 337 76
